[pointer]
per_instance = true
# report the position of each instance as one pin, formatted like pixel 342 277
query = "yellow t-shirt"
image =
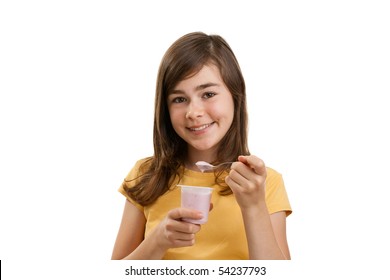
pixel 223 236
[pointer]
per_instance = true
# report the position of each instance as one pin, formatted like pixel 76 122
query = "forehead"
pixel 207 74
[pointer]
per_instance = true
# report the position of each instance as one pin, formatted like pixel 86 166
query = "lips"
pixel 201 127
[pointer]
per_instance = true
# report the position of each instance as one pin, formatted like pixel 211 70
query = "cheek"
pixel 175 116
pixel 225 113
pixel 230 109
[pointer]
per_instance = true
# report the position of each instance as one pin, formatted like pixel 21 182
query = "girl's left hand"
pixel 247 181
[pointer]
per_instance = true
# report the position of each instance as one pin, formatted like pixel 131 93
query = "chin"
pixel 204 147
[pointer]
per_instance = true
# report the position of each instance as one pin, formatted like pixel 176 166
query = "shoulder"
pixel 274 182
pixel 276 194
pixel 139 168
pixel 144 162
pixel 133 178
pixel 273 176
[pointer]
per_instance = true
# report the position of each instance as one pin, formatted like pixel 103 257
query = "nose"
pixel 195 110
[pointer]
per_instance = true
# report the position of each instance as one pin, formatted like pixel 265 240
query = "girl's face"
pixel 201 109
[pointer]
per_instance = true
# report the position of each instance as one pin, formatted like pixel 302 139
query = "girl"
pixel 200 114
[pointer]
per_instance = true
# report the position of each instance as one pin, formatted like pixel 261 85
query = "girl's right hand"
pixel 172 232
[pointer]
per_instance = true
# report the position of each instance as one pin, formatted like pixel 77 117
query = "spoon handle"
pixel 223 163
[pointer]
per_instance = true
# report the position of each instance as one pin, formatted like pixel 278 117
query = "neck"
pixel 196 155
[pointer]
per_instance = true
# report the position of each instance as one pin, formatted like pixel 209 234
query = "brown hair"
pixel 186 57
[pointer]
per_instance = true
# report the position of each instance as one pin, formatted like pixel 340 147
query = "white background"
pixel 77 82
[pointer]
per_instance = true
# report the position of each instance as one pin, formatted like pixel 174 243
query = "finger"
pixel 180 213
pixel 178 239
pixel 180 230
pixel 176 223
pixel 184 236
pixel 254 162
pixel 243 159
pixel 211 206
pixel 232 184
pixel 183 243
pixel 241 175
pixel 183 226
pixel 240 172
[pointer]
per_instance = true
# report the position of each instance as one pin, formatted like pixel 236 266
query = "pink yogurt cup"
pixel 197 198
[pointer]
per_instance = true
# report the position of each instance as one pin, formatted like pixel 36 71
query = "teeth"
pixel 200 128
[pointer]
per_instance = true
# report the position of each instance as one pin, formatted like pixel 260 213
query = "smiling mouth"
pixel 200 127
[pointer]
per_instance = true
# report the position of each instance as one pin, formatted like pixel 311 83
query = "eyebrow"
pixel 197 88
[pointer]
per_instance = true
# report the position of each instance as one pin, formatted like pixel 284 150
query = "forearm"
pixel 147 250
pixel 171 232
pixel 262 243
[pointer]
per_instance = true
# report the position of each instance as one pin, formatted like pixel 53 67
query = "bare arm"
pixel 171 232
pixel 131 232
pixel 266 234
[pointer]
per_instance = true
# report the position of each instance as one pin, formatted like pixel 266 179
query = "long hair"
pixel 185 57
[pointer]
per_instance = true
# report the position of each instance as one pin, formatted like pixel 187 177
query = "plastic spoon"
pixel 205 166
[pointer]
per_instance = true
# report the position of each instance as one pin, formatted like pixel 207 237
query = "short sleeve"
pixel 131 180
pixel 276 194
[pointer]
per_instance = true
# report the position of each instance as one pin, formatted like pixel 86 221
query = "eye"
pixel 178 100
pixel 208 95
